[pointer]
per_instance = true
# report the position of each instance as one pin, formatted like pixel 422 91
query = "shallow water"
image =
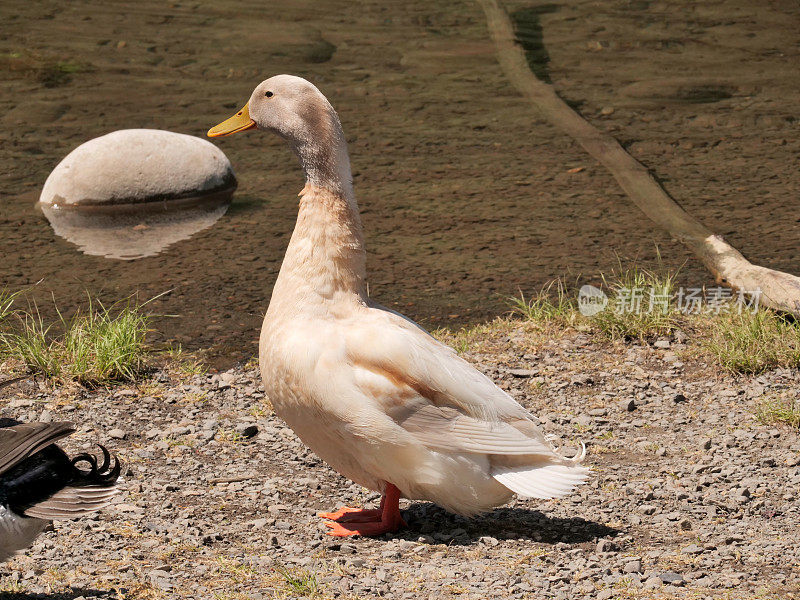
pixel 467 196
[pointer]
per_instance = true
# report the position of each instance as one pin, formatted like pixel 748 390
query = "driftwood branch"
pixel 780 291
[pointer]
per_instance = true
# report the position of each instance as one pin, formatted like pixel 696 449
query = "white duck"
pixel 368 390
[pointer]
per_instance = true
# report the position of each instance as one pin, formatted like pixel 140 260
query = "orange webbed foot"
pixel 347 514
pixel 339 513
pixel 368 522
pixel 379 527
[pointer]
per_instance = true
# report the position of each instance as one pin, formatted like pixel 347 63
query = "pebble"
pixel 117 434
pixel 671 578
pixel 634 566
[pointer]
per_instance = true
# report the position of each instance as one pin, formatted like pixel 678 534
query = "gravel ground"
pixel 693 497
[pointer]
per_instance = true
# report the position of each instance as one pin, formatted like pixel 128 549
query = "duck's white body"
pixel 368 390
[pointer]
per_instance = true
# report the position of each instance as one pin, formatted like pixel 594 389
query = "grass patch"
pixel 303 583
pixel 553 303
pixel 182 362
pixel 640 305
pixel 99 345
pixel 475 338
pixel 773 409
pixel 752 342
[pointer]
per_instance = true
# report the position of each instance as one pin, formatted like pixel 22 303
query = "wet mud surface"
pixel 467 196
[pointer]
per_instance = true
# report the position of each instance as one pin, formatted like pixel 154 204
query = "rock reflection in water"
pixel 131 231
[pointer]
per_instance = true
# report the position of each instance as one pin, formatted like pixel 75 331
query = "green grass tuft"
pixel 97 346
pixel 640 305
pixel 752 342
pixel 779 410
pixel 552 303
pixel 301 582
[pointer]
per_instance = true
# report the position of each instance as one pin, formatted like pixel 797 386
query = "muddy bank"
pixel 466 196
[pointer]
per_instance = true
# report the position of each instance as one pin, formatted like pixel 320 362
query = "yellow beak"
pixel 241 121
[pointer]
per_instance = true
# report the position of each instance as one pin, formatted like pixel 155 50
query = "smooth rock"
pixel 133 166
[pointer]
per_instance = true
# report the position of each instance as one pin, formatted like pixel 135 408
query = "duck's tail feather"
pixel 97 475
pixel 553 480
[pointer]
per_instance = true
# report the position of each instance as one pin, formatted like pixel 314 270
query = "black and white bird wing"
pixel 73 502
pixel 39 480
pixel 18 441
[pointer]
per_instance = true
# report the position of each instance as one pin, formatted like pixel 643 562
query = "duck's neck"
pixel 324 264
pixel 324 158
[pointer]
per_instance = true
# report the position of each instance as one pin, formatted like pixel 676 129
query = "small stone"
pixel 606 111
pixel 653 582
pixel 627 405
pixel 250 431
pixel 678 398
pixel 604 546
pixel 662 344
pixel 647 509
pixel 685 525
pixel 671 578
pixel 356 562
pixel 634 566
pixel 117 434
pixel 523 372
pixel 692 549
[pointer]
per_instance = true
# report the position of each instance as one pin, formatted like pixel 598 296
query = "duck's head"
pixel 284 104
pixel 298 112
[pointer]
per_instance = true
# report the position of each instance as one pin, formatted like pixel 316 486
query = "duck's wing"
pixel 438 396
pixel 40 480
pixel 20 440
pixel 391 342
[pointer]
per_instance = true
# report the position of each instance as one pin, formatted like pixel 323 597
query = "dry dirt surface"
pixel 467 196
pixel 692 497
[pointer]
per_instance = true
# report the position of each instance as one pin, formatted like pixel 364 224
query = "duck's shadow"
pixel 501 524
pixel 71 594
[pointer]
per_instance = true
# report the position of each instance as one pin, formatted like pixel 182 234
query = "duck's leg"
pixel 386 519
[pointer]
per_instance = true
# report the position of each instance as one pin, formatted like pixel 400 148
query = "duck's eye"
pixel 268 94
